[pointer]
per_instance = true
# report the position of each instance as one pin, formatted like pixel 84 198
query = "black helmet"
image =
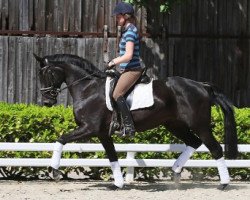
pixel 123 8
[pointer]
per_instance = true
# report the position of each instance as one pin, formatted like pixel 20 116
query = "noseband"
pixel 50 92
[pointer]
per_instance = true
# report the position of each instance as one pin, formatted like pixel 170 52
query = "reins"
pixel 76 82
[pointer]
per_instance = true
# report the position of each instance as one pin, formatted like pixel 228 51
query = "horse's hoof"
pixel 113 188
pixel 50 169
pixel 223 187
pixel 55 173
pixel 177 177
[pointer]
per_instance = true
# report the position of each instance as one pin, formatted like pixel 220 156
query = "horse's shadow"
pixel 163 186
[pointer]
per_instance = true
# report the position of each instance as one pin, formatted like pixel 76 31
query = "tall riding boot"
pixel 126 116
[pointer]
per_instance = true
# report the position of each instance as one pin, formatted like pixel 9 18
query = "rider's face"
pixel 120 20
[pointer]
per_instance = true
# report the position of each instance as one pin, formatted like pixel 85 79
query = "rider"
pixel 128 61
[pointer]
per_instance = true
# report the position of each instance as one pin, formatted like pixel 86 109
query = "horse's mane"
pixel 78 61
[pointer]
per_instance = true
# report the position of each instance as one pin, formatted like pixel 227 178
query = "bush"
pixel 32 123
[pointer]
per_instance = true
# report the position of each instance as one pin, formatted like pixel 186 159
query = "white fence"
pixel 129 162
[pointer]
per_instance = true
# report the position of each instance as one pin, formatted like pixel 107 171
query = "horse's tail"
pixel 230 138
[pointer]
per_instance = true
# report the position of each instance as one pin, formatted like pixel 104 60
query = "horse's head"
pixel 51 77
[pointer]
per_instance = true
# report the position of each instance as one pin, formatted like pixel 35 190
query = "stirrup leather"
pixel 115 123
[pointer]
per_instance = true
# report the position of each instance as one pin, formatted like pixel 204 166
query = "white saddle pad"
pixel 140 97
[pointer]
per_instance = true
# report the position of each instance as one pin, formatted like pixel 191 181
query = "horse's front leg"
pixel 79 133
pixel 108 145
pixel 180 162
pixel 55 161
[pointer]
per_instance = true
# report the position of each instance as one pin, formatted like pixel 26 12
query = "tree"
pixel 164 5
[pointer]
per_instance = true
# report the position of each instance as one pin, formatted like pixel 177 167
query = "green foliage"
pixel 32 123
pixel 163 5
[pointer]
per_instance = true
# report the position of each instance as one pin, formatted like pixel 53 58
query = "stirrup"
pixel 113 127
pixel 128 132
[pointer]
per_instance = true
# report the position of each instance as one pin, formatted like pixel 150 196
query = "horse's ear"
pixel 39 59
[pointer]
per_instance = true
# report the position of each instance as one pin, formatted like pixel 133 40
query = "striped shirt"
pixel 130 34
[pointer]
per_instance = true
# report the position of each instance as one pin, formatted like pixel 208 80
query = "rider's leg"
pixel 125 82
pixel 126 116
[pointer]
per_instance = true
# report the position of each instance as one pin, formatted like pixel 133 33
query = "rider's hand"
pixel 111 64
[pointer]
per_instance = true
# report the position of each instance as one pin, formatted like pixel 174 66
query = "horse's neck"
pixel 87 89
pixel 80 84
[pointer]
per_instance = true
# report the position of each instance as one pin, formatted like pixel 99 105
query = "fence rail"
pixel 129 162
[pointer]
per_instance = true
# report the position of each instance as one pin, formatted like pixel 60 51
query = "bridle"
pixel 52 92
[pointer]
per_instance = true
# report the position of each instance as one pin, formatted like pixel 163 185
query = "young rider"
pixel 128 62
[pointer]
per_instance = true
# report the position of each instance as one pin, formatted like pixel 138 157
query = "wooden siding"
pixel 204 40
pixel 61 15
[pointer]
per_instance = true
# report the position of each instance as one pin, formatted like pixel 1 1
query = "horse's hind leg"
pixel 108 145
pixel 182 132
pixel 214 147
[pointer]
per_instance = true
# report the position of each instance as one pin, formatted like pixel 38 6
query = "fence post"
pixel 105 44
pixel 130 170
pixel 118 37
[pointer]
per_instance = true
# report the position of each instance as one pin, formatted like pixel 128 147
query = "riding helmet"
pixel 123 8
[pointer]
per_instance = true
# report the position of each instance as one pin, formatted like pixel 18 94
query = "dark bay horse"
pixel 182 105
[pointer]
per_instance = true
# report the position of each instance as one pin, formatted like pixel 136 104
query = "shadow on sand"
pixel 168 185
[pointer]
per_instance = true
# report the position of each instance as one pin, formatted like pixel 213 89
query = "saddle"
pixel 116 122
pixel 115 75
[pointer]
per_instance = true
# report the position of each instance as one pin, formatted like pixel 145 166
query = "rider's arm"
pixel 126 57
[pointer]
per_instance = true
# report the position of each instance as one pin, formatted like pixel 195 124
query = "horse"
pixel 180 104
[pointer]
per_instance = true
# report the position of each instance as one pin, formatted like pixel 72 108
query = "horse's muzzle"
pixel 49 102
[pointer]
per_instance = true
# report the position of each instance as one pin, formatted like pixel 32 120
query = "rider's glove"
pixel 111 64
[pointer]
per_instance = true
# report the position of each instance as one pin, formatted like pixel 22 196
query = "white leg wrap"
pixel 223 171
pixel 55 160
pixel 117 174
pixel 183 158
